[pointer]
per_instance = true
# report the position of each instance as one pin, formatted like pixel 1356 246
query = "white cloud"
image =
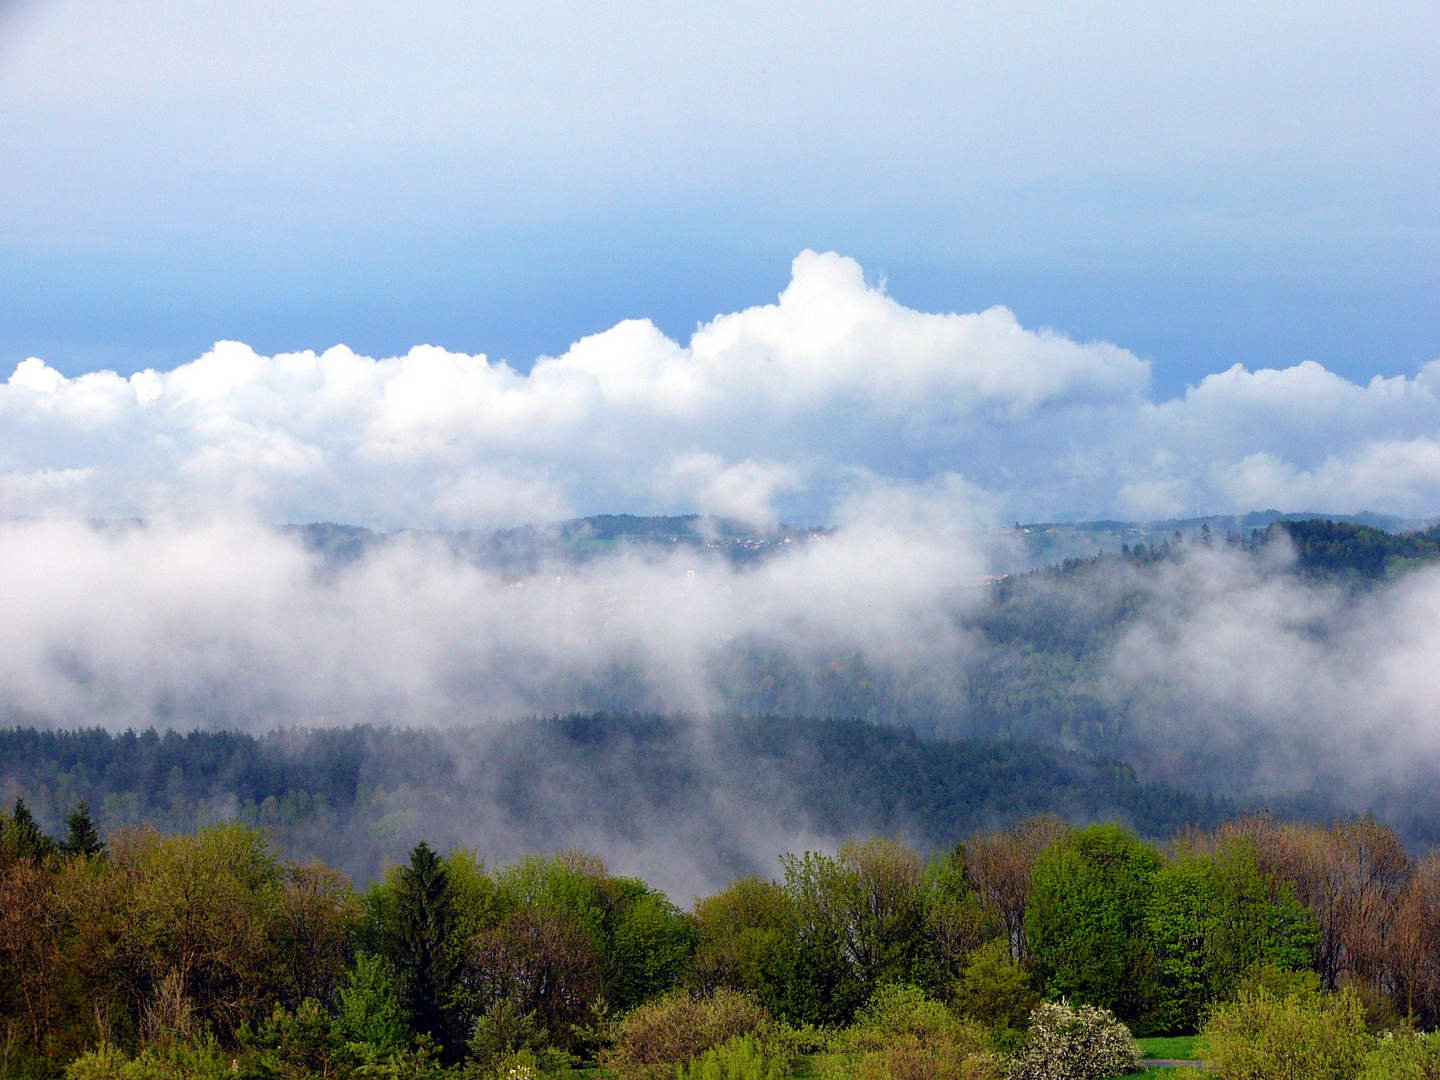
pixel 777 410
pixel 225 622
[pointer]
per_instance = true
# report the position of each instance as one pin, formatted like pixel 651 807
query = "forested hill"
pixel 525 549
pixel 724 790
pixel 1325 548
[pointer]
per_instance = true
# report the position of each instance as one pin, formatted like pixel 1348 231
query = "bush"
pixel 995 990
pixel 1299 1035
pixel 171 1061
pixel 903 1035
pixel 742 1058
pixel 678 1028
pixel 1404 1055
pixel 1081 1043
pixel 904 1012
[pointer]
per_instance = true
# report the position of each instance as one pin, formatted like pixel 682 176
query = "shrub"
pixel 678 1028
pixel 1081 1043
pixel 1300 1035
pixel 1404 1055
pixel 170 1061
pixel 742 1058
pixel 903 1035
pixel 504 1036
pixel 994 989
pixel 903 1011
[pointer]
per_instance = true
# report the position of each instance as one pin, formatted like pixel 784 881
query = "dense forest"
pixel 360 797
pixel 1026 953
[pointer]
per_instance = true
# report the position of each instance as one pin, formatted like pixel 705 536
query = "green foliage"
pixel 419 934
pixel 1085 922
pixel 901 1011
pixel 956 920
pixel 744 935
pixel 1345 550
pixel 1080 1043
pixel 1403 1055
pixel 741 1058
pixel 1211 920
pixel 22 837
pixel 653 1038
pixel 300 1045
pixel 502 1032
pixel 372 1012
pixel 164 1061
pixel 994 990
pixel 360 797
pixel 902 1033
pixel 653 949
pixel 171 948
pixel 83 837
pixel 1298 1035
pixel 859 918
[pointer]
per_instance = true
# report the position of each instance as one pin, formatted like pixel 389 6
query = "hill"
pixel 719 795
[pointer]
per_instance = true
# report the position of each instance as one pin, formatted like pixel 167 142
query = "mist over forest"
pixel 720 693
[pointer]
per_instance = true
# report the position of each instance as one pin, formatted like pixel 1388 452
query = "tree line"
pixel 360 797
pixel 114 945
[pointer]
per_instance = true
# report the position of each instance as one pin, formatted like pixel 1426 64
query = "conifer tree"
pixel 424 918
pixel 84 838
pixel 30 842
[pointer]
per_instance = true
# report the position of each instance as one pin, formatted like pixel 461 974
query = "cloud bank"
pixel 783 410
pixel 229 624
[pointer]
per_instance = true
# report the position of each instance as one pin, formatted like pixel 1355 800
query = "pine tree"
pixel 84 838
pixel 424 918
pixel 30 842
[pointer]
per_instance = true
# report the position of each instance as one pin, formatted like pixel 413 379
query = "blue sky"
pixel 1200 185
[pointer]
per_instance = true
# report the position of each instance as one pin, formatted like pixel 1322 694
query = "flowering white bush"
pixel 1080 1043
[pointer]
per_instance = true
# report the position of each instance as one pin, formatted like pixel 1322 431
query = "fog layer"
pixel 235 624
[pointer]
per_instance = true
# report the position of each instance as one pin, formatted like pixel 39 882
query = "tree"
pixel 542 963
pixel 1085 925
pixel 1350 876
pixel 999 864
pixel 314 932
pixel 371 1011
pixel 957 921
pixel 859 915
pixel 745 941
pixel 23 835
pixel 422 919
pixel 195 935
pixel 84 838
pixel 1414 946
pixel 653 948
pixel 994 989
pixel 1212 918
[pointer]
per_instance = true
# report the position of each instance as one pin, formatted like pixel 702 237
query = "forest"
pixel 360 797
pixel 1036 951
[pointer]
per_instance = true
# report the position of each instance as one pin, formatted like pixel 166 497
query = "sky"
pixel 471 265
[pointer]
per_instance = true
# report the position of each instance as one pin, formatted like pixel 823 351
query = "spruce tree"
pixel 84 838
pixel 420 945
pixel 30 842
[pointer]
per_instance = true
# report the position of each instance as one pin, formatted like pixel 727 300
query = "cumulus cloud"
pixel 777 411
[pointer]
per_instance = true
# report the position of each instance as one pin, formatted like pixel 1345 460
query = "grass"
pixel 1174 1047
